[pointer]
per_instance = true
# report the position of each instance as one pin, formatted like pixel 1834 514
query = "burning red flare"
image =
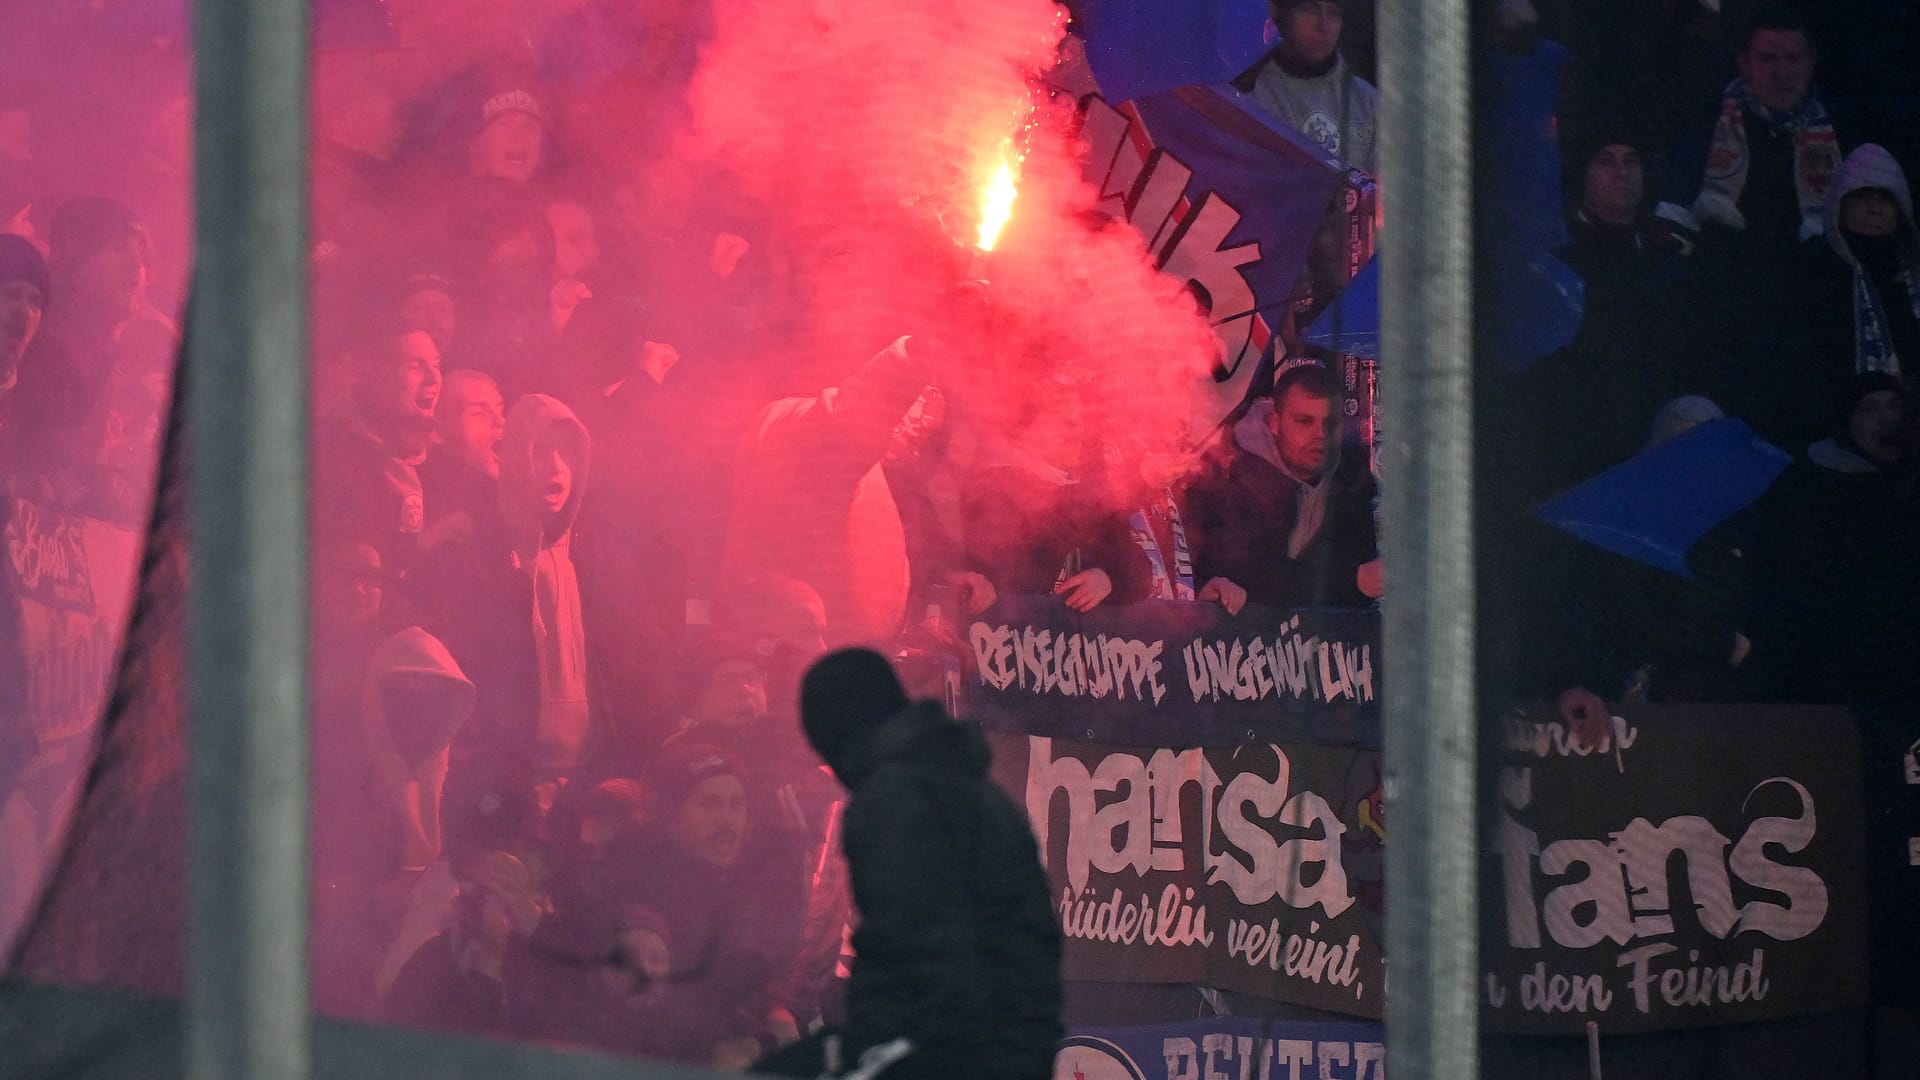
pixel 996 203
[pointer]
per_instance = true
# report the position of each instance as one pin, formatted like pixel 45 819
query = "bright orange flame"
pixel 996 204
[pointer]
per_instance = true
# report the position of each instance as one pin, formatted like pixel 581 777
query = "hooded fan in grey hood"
pixel 417 699
pixel 543 476
pixel 1870 225
pixel 378 788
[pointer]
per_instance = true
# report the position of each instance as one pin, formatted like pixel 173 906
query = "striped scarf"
pixel 1816 156
pixel 1872 336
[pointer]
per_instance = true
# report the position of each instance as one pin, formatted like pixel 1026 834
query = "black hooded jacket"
pixel 958 948
pixel 1835 592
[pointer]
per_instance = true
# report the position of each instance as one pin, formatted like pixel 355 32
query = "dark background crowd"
pixel 592 486
pixel 1739 213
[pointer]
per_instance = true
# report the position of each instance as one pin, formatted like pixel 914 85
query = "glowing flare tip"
pixel 996 205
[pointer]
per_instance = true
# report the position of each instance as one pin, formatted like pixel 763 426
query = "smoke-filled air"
pixel 658 348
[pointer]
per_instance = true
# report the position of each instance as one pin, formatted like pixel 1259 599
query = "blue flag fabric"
pixel 1279 181
pixel 1227 200
pixel 1541 299
pixel 1141 47
pixel 1351 324
pixel 1522 137
pixel 1659 503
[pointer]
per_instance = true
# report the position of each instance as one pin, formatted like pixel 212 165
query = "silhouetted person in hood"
pixel 957 971
pixel 377 792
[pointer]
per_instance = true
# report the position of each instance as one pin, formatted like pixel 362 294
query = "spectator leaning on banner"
pixel 1037 510
pixel 1279 511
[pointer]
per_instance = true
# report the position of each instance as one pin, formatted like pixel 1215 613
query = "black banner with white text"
pixel 1704 865
pixel 1255 869
pixel 1172 673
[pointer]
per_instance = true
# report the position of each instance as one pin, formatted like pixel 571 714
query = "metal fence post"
pixel 1426 155
pixel 245 377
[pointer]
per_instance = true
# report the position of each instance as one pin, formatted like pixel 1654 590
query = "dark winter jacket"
pixel 958 948
pixel 1830 300
pixel 1640 318
pixel 1835 589
pixel 1027 533
pixel 432 991
pixel 1596 619
pixel 1782 339
pixel 470 596
pixel 1641 343
pixel 1885 266
pixel 1241 510
pixel 365 492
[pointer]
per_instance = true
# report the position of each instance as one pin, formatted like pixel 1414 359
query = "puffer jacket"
pixel 958 948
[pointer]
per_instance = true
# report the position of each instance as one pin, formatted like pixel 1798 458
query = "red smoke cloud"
pixel 849 142
pixel 870 129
